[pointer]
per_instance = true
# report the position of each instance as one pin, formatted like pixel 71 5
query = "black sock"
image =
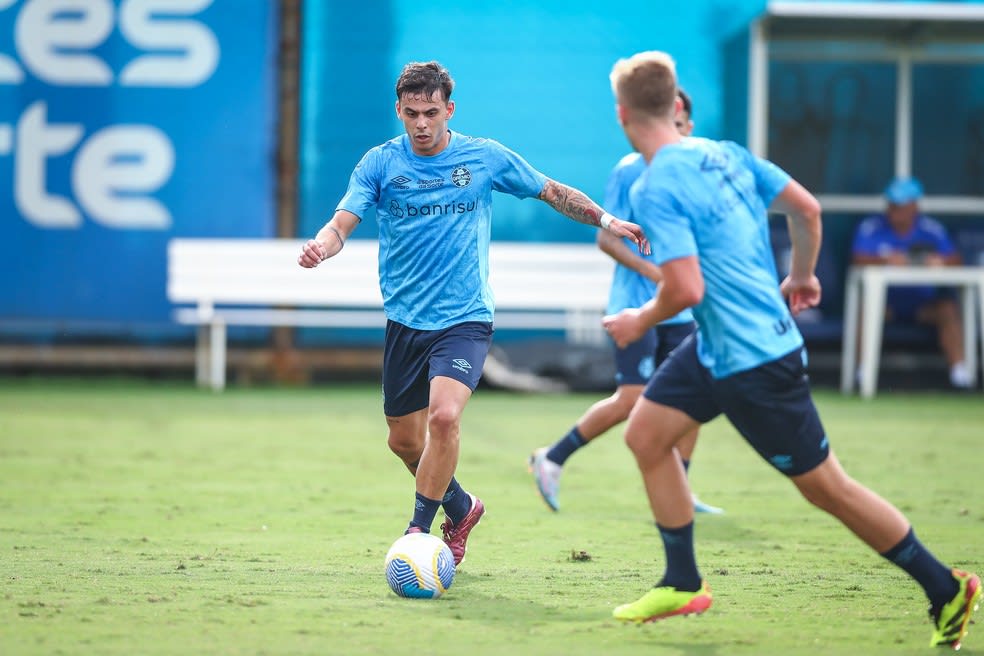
pixel 424 510
pixel 565 446
pixel 934 577
pixel 681 564
pixel 457 503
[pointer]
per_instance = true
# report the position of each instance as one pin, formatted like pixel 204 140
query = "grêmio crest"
pixel 461 176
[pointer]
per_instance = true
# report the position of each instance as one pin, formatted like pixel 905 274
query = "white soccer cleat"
pixel 546 473
pixel 701 507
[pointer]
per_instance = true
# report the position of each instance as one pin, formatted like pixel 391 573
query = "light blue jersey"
pixel 631 289
pixel 709 199
pixel 434 218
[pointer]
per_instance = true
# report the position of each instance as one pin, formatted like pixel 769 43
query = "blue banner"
pixel 124 124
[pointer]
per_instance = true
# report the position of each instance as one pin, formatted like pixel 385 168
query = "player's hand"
pixel 625 327
pixel 801 294
pixel 312 254
pixel 632 231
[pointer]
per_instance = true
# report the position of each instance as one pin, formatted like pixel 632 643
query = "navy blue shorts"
pixel 769 405
pixel 412 357
pixel 636 363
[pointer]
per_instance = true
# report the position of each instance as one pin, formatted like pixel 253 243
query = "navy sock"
pixel 565 446
pixel 424 510
pixel 681 564
pixel 934 577
pixel 456 502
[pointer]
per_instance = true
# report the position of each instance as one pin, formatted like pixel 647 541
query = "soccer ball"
pixel 419 565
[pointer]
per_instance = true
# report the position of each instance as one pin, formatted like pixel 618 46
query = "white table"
pixel 865 290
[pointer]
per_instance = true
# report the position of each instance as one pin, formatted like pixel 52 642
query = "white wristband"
pixel 606 220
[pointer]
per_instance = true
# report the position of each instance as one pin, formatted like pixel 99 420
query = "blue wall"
pixel 533 75
pixel 162 124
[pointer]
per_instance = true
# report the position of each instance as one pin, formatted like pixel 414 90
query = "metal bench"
pixel 256 282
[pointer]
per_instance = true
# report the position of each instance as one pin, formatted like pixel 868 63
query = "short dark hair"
pixel 425 79
pixel 685 98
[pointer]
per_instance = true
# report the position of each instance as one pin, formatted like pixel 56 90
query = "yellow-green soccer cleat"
pixel 662 602
pixel 951 624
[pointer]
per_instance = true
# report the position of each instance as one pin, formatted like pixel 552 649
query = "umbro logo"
pixel 400 181
pixel 782 462
pixel 461 365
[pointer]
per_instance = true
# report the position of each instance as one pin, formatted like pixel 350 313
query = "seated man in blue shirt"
pixel 904 236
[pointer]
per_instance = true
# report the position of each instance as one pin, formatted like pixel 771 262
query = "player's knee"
pixel 636 441
pixel 825 494
pixel 623 402
pixel 443 421
pixel 816 496
pixel 405 445
pixel 620 403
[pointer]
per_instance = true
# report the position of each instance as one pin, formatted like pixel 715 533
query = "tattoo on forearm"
pixel 571 203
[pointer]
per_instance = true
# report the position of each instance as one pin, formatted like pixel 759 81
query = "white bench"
pixel 257 282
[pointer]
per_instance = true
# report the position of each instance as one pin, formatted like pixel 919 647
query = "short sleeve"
pixel 511 174
pixel 363 187
pixel 866 237
pixel 770 179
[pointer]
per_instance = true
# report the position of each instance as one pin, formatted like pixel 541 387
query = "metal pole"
pixel 758 82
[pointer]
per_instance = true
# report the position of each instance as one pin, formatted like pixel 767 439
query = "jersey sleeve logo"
pixel 461 176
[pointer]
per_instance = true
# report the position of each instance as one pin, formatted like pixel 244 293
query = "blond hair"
pixel 646 82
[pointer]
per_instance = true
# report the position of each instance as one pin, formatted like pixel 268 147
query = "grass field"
pixel 142 518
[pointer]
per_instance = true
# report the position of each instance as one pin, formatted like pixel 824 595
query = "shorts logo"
pixel 395 209
pixel 461 176
pixel 782 462
pixel 400 181
pixel 461 365
pixel 647 366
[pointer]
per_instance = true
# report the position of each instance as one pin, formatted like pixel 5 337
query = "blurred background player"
pixel 904 236
pixel 706 203
pixel 635 282
pixel 432 192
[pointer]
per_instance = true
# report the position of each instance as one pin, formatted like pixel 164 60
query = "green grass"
pixel 140 518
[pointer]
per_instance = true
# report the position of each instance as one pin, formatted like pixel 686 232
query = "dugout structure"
pixel 846 96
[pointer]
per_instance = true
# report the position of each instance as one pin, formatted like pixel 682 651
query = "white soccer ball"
pixel 420 565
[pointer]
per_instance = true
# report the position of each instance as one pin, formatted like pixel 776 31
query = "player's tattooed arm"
pixel 571 203
pixel 575 205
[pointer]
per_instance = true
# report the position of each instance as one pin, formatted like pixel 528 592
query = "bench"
pixel 218 283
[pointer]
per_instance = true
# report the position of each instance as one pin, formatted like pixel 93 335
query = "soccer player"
pixel 432 191
pixel 635 282
pixel 705 203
